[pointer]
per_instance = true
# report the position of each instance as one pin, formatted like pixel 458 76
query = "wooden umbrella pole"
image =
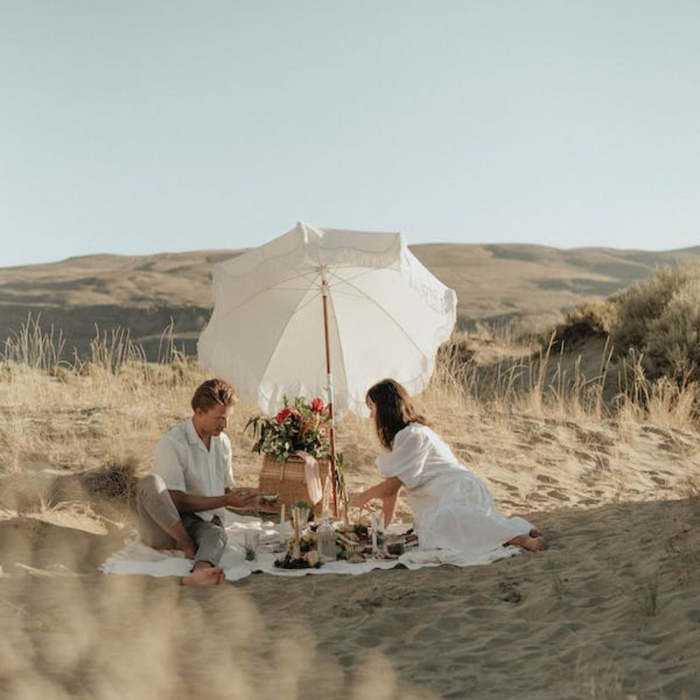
pixel 324 295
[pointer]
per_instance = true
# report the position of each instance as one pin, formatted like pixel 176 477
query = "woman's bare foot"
pixel 532 544
pixel 204 576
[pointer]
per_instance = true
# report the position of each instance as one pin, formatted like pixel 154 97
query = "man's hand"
pixel 243 498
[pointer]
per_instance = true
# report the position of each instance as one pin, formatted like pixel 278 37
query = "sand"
pixel 610 609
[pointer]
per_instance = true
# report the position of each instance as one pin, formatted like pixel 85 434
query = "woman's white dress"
pixel 452 508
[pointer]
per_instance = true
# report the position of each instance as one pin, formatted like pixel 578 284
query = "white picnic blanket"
pixel 137 558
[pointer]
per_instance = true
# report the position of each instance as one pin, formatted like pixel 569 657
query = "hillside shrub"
pixel 660 318
pixel 592 319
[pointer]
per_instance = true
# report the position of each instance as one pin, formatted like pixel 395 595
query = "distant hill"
pixel 494 284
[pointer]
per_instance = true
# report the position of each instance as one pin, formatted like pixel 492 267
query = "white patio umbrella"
pixel 325 311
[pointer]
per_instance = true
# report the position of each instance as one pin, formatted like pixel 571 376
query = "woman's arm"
pixel 384 489
pixel 389 506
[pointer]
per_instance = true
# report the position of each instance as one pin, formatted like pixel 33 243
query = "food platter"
pixel 352 542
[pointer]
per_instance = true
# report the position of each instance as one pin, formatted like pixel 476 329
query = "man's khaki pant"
pixel 157 515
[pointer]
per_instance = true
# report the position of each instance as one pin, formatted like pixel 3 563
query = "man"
pixel 181 503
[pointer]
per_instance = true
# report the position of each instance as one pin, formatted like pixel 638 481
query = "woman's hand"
pixel 385 489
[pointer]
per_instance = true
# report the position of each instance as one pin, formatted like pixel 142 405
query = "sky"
pixel 137 127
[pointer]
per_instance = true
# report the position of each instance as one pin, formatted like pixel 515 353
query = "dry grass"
pixel 103 417
pixel 119 638
pixel 32 346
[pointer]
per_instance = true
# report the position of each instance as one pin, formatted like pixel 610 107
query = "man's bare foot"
pixel 532 544
pixel 204 576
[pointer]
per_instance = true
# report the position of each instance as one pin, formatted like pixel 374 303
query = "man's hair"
pixel 394 410
pixel 212 393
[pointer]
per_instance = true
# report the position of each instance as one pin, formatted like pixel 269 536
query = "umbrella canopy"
pixel 386 317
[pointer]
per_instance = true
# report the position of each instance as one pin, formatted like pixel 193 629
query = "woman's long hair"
pixel 394 410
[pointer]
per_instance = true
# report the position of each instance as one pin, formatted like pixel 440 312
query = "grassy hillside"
pixel 494 283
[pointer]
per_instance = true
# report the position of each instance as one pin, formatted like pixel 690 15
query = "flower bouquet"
pixel 299 427
pixel 296 446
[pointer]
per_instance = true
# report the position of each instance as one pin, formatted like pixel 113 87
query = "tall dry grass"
pixel 100 414
pixel 104 405
pixel 32 346
pixel 104 414
pixel 130 637
pixel 549 382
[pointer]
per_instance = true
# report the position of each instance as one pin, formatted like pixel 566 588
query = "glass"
pixel 251 541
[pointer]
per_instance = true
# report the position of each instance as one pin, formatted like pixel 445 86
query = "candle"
pixel 373 519
pixel 283 534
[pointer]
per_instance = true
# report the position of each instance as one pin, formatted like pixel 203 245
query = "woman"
pixel 452 507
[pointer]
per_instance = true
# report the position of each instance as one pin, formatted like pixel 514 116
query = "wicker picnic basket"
pixel 288 479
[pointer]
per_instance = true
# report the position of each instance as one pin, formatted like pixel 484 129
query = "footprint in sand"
pixel 653 430
pixel 658 480
pixel 503 484
pixel 693 616
pixel 468 447
pixel 511 504
pixel 509 593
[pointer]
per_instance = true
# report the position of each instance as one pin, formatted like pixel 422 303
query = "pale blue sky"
pixel 143 126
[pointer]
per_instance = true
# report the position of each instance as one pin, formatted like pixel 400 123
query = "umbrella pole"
pixel 331 397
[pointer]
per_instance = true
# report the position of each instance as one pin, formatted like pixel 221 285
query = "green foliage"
pixel 340 476
pixel 660 318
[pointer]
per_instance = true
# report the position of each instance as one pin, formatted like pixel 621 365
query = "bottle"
pixel 325 539
pixel 375 532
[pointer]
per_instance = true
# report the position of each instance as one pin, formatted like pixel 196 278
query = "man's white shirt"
pixel 186 465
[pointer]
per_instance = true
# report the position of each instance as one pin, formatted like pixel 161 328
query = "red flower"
pixel 317 405
pixel 283 415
